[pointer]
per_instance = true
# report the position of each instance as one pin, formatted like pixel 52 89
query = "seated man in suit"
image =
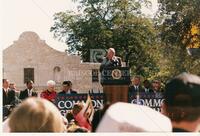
pixel 110 60
pixel 8 94
pixel 28 92
pixel 67 88
pixel 135 87
pixel 147 86
pixel 156 86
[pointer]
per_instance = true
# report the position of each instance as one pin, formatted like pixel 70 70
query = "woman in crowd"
pixel 36 115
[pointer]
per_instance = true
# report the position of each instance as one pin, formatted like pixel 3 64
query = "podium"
pixel 115 82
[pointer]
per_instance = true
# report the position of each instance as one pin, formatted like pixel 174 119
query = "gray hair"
pixel 51 83
pixel 111 49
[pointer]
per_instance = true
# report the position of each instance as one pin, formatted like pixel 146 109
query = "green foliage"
pixel 179 17
pixel 160 53
pixel 175 20
pixel 110 23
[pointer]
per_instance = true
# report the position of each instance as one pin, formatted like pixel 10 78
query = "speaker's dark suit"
pixel 117 62
pixel 24 94
pixel 8 97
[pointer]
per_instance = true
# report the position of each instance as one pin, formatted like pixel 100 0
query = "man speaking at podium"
pixel 110 60
pixel 114 92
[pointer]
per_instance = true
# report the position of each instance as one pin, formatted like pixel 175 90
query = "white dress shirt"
pixel 136 88
pixel 30 92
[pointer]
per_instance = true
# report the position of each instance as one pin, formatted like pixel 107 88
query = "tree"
pixel 179 22
pixel 109 23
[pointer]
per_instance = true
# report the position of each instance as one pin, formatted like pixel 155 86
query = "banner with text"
pixel 153 100
pixel 65 102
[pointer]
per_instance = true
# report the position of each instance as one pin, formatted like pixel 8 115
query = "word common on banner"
pixel 65 102
pixel 152 100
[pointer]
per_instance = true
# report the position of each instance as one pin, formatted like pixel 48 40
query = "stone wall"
pixel 29 51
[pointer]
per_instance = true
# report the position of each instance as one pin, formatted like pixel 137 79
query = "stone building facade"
pixel 30 57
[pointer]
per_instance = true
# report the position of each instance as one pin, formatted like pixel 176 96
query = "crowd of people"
pixel 180 111
pixel 10 93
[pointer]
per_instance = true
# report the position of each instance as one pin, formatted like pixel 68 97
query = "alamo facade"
pixel 31 58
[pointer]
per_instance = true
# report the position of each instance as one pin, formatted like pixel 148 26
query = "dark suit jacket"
pixel 132 89
pixel 113 63
pixel 24 94
pixel 9 97
pixel 71 92
pixel 150 90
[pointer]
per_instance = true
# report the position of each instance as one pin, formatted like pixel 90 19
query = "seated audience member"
pixel 8 94
pixel 182 103
pixel 28 92
pixel 126 117
pixel 66 88
pixel 135 87
pixel 12 86
pixel 36 115
pixel 50 93
pixel 156 86
pixel 147 86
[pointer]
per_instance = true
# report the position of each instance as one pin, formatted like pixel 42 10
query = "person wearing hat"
pixel 126 117
pixel 66 88
pixel 182 104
